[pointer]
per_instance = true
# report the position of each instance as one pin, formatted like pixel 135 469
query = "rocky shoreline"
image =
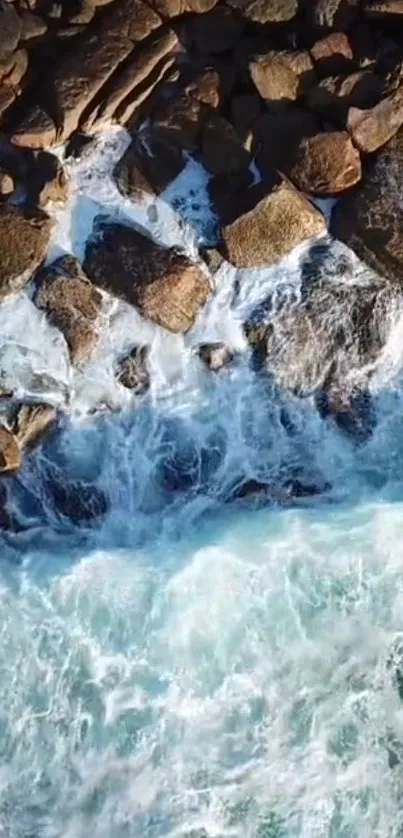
pixel 281 102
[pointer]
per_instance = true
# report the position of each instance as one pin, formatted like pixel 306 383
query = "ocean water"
pixel 189 667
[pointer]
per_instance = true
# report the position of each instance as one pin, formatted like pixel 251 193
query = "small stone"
pixel 10 453
pixel 212 257
pixel 215 355
pixel 132 372
pixel 6 184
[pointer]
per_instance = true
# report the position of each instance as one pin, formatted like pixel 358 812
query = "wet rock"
pixel 370 129
pixel 270 225
pixel 132 372
pixel 333 55
pixel 36 129
pixel 161 282
pixel 24 239
pixel 370 220
pixel 78 145
pixel 326 15
pixel 265 11
pixel 78 501
pixel 6 184
pixel 212 257
pixel 326 164
pixel 221 148
pixel 46 180
pixel 148 166
pixel 10 30
pixel 333 96
pixel 180 122
pixel 352 410
pixel 215 355
pixel 31 422
pixel 214 32
pixel 10 453
pixel 280 134
pixel 281 77
pixel 72 305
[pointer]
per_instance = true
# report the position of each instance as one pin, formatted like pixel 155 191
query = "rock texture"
pixel 161 282
pixel 282 77
pixel 31 422
pixel 326 164
pixel 132 372
pixel 24 239
pixel 10 452
pixel 371 129
pixel 265 11
pixel 148 166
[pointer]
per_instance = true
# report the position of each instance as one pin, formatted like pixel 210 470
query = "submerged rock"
pixel 132 372
pixel 80 502
pixel 24 238
pixel 161 282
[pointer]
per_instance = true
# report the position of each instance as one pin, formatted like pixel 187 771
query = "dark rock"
pixel 10 30
pixel 384 11
pixel 333 96
pixel 326 15
pixel 161 282
pixel 132 372
pixel 78 501
pixel 363 41
pixel 280 134
pixel 32 26
pixel 10 452
pixel 215 355
pixel 207 88
pixel 282 77
pixel 221 148
pixel 370 129
pixel 36 129
pixel 78 144
pixel 31 422
pixel 225 190
pixel 245 110
pixel 24 239
pixel 333 55
pixel 148 166
pixel 271 225
pixel 265 11
pixel 215 32
pixel 72 305
pixel 180 122
pixel 352 410
pixel 46 180
pixel 326 164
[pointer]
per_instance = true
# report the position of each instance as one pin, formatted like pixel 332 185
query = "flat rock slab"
pixel 24 239
pixel 269 230
pixel 326 164
pixel 161 282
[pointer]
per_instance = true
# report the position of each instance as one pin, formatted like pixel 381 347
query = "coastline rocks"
pixel 215 355
pixel 281 77
pixel 266 231
pixel 10 30
pixel 333 96
pixel 371 129
pixel 31 422
pixel 72 305
pixel 78 501
pixel 326 164
pixel 215 32
pixel 131 371
pixel 332 55
pixel 24 238
pixel 10 452
pixel 222 151
pixel 148 166
pixel 265 11
pixel 161 282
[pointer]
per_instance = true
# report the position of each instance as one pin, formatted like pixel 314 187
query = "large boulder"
pixel 370 129
pixel 265 11
pixel 24 239
pixel 326 164
pixel 281 77
pixel 270 224
pixel 161 282
pixel 72 305
pixel 370 220
pixel 148 166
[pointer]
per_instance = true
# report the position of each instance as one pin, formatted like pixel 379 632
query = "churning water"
pixel 189 667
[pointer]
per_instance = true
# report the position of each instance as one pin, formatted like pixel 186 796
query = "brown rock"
pixel 10 453
pixel 265 11
pixel 383 10
pixel 280 134
pixel 140 102
pixel 326 164
pixel 6 184
pixel 35 130
pixel 10 30
pixel 161 282
pixel 272 227
pixel 133 19
pixel 32 26
pixel 173 8
pixel 370 220
pixel 371 129
pixel 215 355
pixel 333 55
pixel 14 72
pixel 207 88
pixel 46 180
pixel 72 305
pixel 31 422
pixel 132 372
pixel 180 123
pixel 281 77
pixel 222 150
pixel 24 239
pixel 325 15
pixel 148 166
pixel 333 96
pixel 214 32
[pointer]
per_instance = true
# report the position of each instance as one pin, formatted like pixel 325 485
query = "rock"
pixel 333 96
pixel 10 30
pixel 32 26
pixel 281 77
pixel 132 372
pixel 173 8
pixel 212 257
pixel 370 220
pixel 161 282
pixel 10 453
pixel 364 43
pixel 207 88
pixel 215 32
pixel 140 103
pixel 221 148
pixel 326 15
pixel 72 304
pixel 271 226
pixel 370 129
pixel 333 55
pixel 24 239
pixel 35 130
pixel 215 355
pixel 80 502
pixel 180 122
pixel 46 180
pixel 15 70
pixel 326 164
pixel 225 189
pixel 7 98
pixel 79 145
pixel 384 11
pixel 6 184
pixel 148 166
pixel 31 422
pixel 280 134
pixel 351 410
pixel 245 109
pixel 265 11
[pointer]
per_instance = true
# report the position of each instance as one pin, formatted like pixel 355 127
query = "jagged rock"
pixel 270 225
pixel 326 164
pixel 6 184
pixel 161 282
pixel 10 452
pixel 24 239
pixel 31 422
pixel 370 220
pixel 80 502
pixel 326 15
pixel 10 30
pixel 221 148
pixel 140 103
pixel 215 32
pixel 46 179
pixel 279 135
pixel 148 166
pixel 333 55
pixel 181 122
pixel 132 372
pixel 265 11
pixel 215 355
pixel 333 96
pixel 72 305
pixel 32 26
pixel 371 129
pixel 281 77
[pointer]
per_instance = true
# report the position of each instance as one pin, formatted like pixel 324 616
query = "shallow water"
pixel 190 667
